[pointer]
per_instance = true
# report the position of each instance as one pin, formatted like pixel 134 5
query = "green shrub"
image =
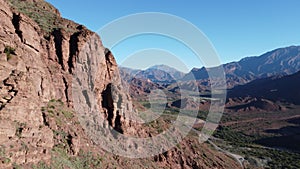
pixel 84 160
pixel 41 165
pixel 6 160
pixel 57 110
pixel 9 51
pixel 16 166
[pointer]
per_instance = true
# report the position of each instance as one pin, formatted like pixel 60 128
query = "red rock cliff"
pixel 38 60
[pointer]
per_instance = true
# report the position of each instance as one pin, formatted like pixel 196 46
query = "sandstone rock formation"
pixel 41 58
pixel 36 67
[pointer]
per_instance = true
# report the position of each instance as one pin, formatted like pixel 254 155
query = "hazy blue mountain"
pixel 176 74
pixel 127 74
pixel 157 74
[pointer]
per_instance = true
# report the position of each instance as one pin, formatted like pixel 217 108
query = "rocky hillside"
pixel 277 88
pixel 41 59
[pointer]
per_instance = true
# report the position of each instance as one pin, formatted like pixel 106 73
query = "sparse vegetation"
pixel 43 13
pixel 41 165
pixel 58 110
pixel 16 166
pixel 24 147
pixel 62 152
pixel 2 151
pixel 8 50
pixel 61 159
pixel 3 158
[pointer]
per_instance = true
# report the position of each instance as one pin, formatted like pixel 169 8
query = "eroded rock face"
pixel 38 68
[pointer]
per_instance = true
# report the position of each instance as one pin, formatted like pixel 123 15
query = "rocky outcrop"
pixel 37 66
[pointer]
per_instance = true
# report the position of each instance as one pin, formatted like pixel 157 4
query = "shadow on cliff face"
pixel 108 103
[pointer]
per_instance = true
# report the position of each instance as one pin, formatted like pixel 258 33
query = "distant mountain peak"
pixel 157 73
pixel 164 67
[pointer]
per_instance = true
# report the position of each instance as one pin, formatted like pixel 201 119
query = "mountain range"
pixel 157 74
pixel 282 61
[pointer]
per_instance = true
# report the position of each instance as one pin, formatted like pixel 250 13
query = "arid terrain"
pixel 260 124
pixel 54 72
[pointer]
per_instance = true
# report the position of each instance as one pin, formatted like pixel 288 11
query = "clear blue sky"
pixel 236 28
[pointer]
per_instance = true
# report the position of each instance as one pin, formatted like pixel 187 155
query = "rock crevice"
pixel 8 89
pixel 58 40
pixel 73 48
pixel 16 22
